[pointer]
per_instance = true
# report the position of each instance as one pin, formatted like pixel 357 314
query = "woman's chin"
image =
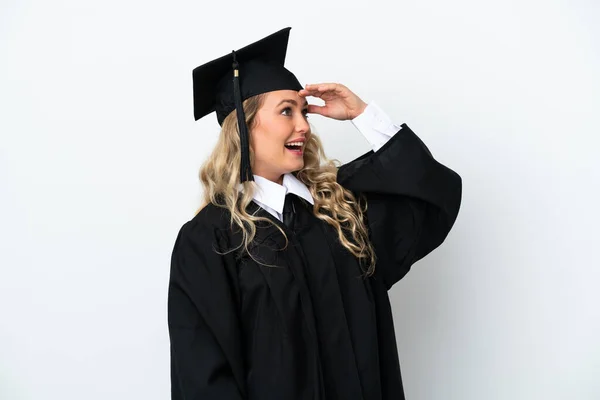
pixel 295 168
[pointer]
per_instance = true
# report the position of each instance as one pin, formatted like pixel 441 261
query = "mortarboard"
pixel 222 84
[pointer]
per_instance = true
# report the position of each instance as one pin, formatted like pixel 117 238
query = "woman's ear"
pixel 256 119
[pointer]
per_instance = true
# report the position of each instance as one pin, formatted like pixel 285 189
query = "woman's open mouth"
pixel 295 148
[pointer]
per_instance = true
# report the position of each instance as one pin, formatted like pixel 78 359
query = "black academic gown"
pixel 308 327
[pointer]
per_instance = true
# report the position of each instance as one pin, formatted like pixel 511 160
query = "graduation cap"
pixel 223 84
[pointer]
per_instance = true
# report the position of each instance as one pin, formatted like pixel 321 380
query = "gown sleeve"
pixel 413 201
pixel 206 360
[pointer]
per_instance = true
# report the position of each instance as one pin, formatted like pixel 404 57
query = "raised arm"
pixel 413 200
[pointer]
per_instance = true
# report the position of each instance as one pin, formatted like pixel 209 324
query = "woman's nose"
pixel 302 125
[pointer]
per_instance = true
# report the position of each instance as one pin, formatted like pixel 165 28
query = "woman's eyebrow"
pixel 294 102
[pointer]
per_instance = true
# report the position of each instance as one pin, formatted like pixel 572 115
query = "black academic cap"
pixel 223 84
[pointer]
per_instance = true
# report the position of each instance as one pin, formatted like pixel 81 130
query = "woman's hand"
pixel 340 102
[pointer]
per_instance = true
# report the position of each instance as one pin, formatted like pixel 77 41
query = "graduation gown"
pixel 308 326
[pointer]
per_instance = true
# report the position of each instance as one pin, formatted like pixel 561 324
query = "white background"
pixel 99 156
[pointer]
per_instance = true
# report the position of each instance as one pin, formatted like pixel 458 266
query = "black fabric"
pixel 299 322
pixel 261 70
pixel 289 211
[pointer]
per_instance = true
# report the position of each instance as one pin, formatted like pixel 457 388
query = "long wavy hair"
pixel 334 204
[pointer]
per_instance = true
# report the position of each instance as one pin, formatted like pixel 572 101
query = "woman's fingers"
pixel 312 93
pixel 314 109
pixel 340 102
pixel 322 87
pixel 325 91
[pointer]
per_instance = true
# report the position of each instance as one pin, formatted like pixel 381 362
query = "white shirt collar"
pixel 273 194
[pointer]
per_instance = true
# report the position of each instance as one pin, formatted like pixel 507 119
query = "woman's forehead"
pixel 277 97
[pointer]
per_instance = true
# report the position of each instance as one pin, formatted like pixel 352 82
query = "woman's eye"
pixel 289 109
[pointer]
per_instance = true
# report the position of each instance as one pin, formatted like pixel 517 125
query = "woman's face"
pixel 280 121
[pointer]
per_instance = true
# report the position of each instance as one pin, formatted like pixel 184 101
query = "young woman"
pixel 278 285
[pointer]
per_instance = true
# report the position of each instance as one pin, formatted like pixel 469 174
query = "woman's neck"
pixel 277 179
